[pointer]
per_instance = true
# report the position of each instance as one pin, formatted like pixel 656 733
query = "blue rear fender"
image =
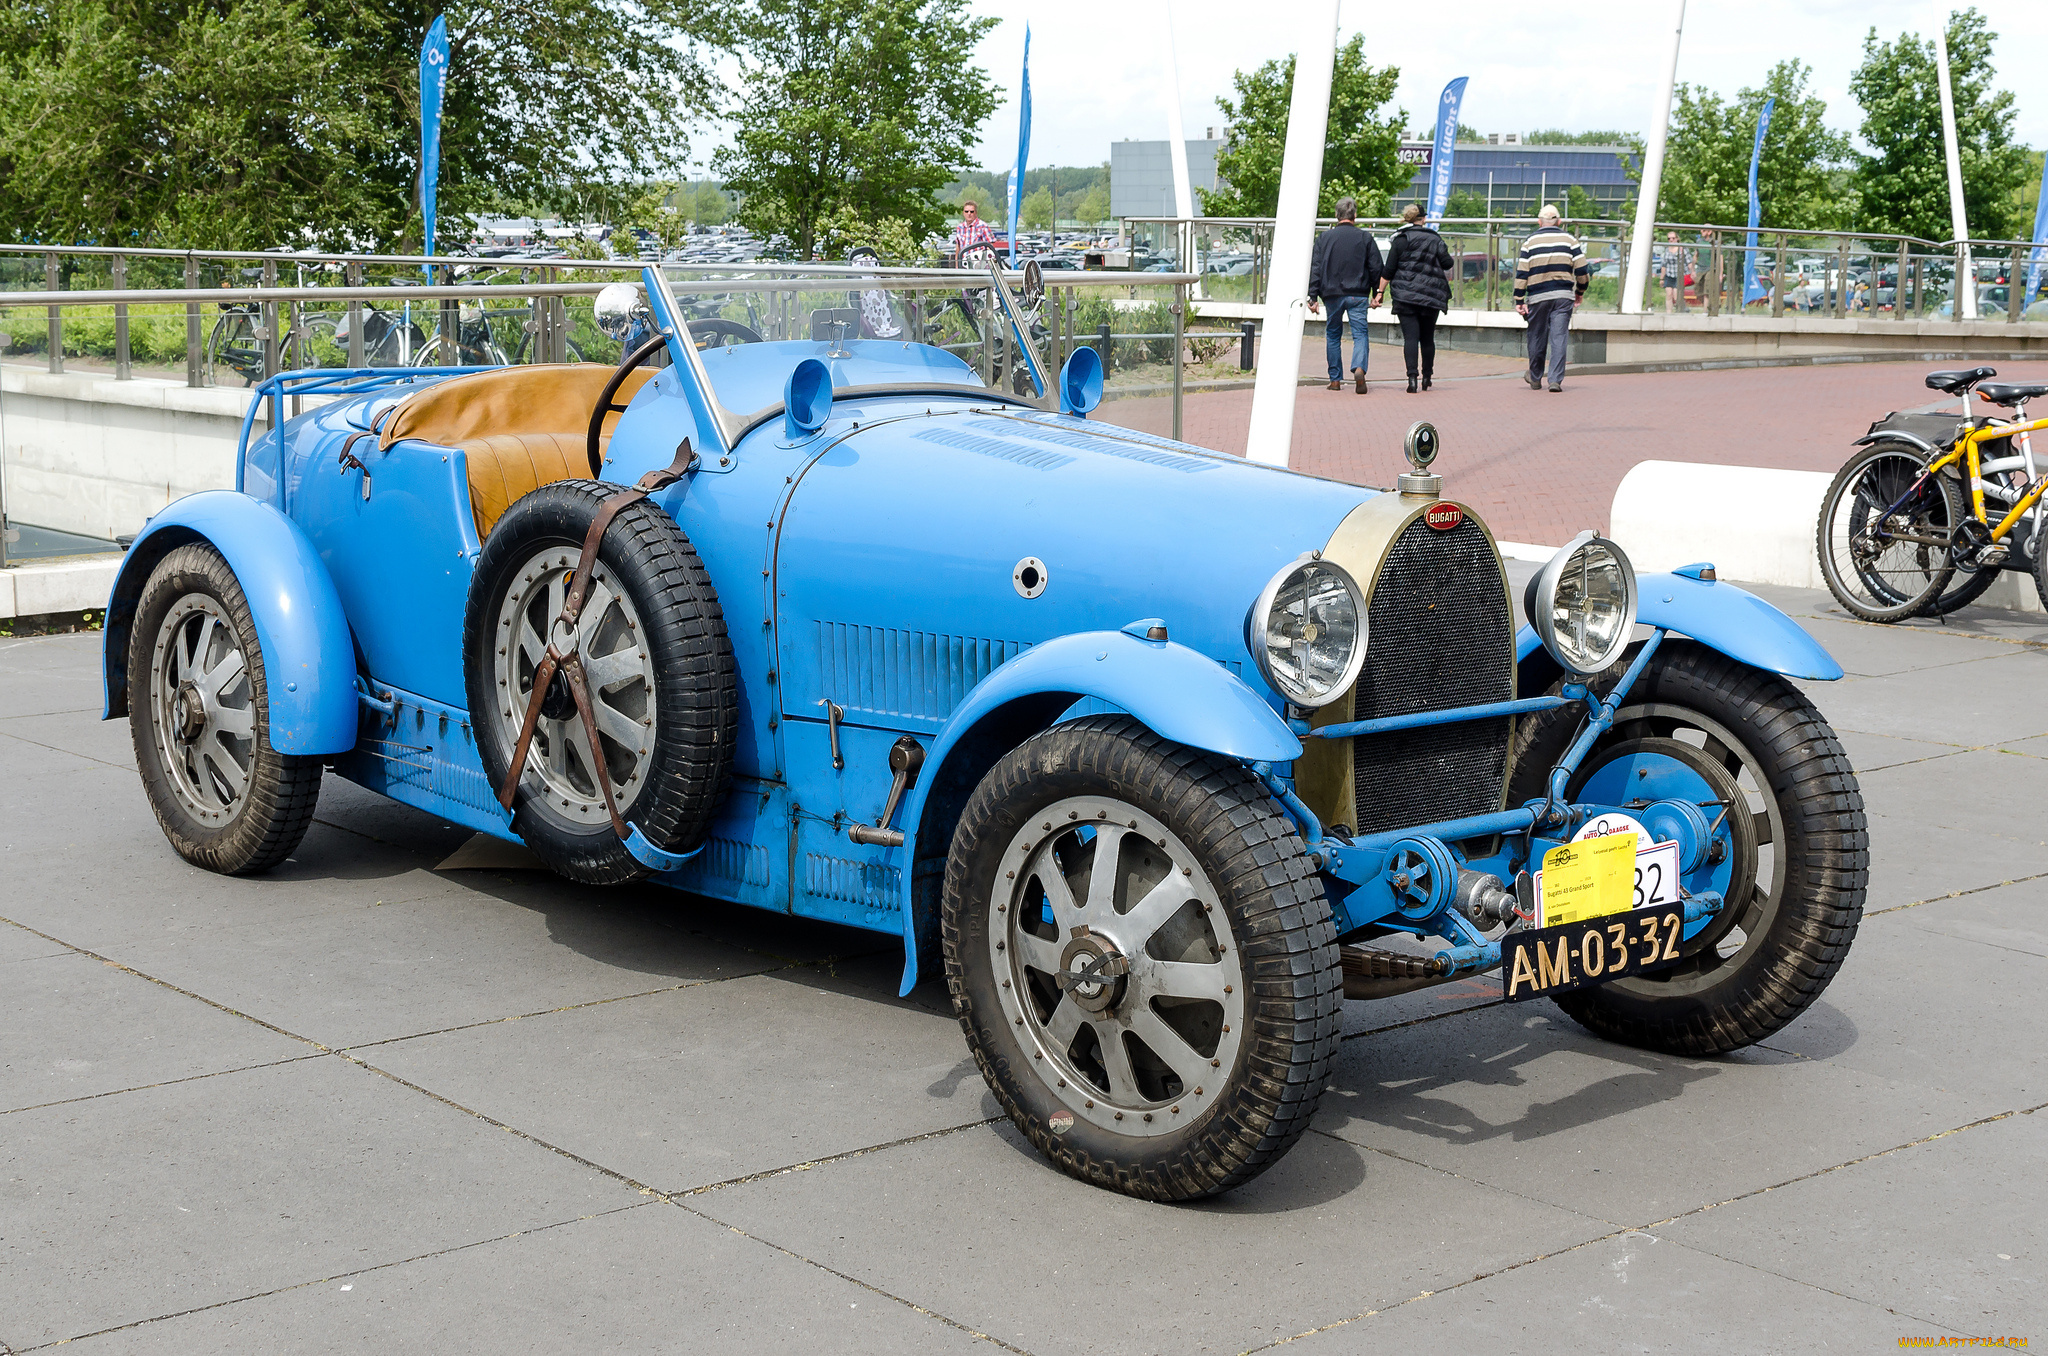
pixel 1734 621
pixel 309 659
pixel 1176 692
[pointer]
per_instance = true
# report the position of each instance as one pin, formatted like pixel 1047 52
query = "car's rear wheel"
pixel 1142 958
pixel 199 714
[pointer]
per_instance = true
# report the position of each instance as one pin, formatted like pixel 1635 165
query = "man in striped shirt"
pixel 1550 278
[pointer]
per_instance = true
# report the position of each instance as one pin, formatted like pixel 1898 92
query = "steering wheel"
pixel 717 332
pixel 607 402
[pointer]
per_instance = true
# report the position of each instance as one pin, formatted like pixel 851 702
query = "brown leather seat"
pixel 518 427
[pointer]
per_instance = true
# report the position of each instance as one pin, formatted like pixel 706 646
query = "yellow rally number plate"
pixel 1588 879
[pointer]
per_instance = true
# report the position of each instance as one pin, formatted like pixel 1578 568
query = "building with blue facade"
pixel 1517 179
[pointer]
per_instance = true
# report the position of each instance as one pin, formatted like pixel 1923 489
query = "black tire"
pixel 1871 575
pixel 1963 588
pixel 653 610
pixel 191 618
pixel 1763 959
pixel 2041 569
pixel 1256 912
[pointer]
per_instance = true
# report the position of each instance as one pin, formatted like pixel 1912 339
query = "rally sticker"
pixel 1061 1122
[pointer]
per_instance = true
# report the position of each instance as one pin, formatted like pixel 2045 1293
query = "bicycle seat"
pixel 2011 393
pixel 1955 383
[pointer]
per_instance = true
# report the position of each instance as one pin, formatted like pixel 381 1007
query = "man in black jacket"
pixel 1346 270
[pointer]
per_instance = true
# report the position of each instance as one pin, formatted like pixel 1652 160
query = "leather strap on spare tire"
pixel 569 661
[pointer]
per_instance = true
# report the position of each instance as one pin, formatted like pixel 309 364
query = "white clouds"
pixel 1098 71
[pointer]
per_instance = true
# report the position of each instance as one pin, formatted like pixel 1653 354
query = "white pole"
pixel 1966 275
pixel 1653 180
pixel 1294 231
pixel 1176 136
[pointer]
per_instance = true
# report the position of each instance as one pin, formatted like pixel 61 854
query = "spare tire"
pixel 661 679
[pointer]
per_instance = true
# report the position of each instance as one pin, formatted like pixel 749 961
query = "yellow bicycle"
pixel 1906 518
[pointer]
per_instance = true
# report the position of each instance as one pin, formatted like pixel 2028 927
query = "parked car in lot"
pixel 1154 754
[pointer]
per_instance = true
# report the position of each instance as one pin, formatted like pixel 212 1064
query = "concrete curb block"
pixel 70 585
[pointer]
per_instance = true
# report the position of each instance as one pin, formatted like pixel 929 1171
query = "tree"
pixel 664 210
pixel 1463 202
pixel 1038 210
pixel 862 106
pixel 1553 136
pixel 219 123
pixel 1094 205
pixel 1706 163
pixel 1579 205
pixel 1904 182
pixel 1361 150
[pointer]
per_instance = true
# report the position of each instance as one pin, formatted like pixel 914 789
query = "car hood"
pixel 898 555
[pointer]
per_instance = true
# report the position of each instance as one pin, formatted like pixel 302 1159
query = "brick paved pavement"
pixel 1540 466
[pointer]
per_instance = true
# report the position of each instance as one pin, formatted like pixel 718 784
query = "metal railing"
pixel 339 320
pixel 1838 274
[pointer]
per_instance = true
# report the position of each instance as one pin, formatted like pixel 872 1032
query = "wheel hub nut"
pixel 1092 971
pixel 189 712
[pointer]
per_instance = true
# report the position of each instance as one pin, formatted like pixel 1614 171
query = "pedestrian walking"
pixel 1344 274
pixel 1550 279
pixel 1676 273
pixel 1418 276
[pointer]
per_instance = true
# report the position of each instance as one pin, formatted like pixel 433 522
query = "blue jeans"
pixel 1333 334
pixel 1549 325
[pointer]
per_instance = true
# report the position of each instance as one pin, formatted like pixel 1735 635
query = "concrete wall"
pixel 85 453
pixel 1141 176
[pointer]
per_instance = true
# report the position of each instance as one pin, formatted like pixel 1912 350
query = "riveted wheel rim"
pixel 1758 872
pixel 611 637
pixel 202 708
pixel 1147 1051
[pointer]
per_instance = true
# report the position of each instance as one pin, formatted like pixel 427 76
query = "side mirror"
pixel 616 309
pixel 806 399
pixel 1081 382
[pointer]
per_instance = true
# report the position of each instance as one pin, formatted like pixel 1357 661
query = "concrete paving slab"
pixel 1519 1097
pixel 585 1286
pixel 1982 702
pixel 1947 1014
pixel 358 971
pixel 50 673
pixel 1637 1292
pixel 1869 651
pixel 715 1082
pixel 19 944
pixel 74 1027
pixel 79 732
pixel 1936 1230
pixel 2011 917
pixel 123 1208
pixel 1869 752
pixel 1328 1232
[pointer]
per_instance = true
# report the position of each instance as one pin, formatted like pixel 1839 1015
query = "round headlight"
pixel 1583 603
pixel 1307 632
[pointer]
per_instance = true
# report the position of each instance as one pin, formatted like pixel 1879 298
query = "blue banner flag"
pixel 433 82
pixel 1753 288
pixel 2040 243
pixel 1023 149
pixel 1446 147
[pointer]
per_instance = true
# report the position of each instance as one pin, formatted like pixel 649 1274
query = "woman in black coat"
pixel 1418 274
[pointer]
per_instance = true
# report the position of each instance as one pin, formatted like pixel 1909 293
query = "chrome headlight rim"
pixel 1540 604
pixel 1262 608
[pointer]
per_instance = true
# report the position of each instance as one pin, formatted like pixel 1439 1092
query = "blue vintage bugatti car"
pixel 1157 755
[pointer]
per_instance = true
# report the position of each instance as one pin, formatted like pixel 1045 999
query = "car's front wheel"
pixel 1142 958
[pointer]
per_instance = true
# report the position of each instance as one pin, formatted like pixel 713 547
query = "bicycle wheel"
pixel 1884 531
pixel 233 344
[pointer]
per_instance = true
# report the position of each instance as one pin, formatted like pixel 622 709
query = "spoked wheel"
pixel 199 714
pixel 1884 532
pixel 659 674
pixel 1797 862
pixel 1142 958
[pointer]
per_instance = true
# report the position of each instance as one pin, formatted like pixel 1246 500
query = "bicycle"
pixel 1894 529
pixel 236 340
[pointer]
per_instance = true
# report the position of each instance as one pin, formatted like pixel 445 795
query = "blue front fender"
pixel 1178 693
pixel 309 661
pixel 1734 621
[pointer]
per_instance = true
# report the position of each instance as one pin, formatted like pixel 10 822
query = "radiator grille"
pixel 1441 636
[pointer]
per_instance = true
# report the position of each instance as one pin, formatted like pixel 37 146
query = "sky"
pixel 1098 72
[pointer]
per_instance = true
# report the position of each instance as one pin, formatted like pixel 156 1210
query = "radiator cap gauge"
pixel 1422 445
